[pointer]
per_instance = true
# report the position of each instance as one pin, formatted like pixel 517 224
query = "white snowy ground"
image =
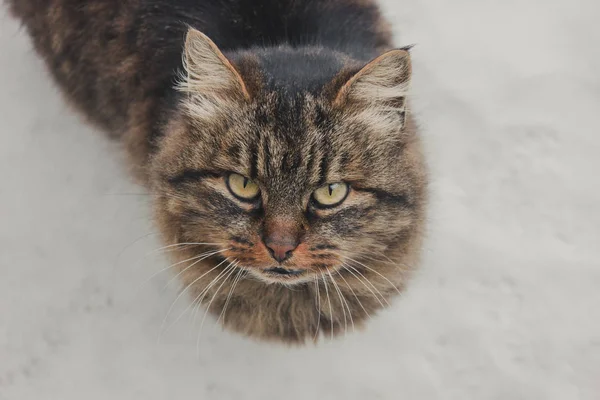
pixel 506 305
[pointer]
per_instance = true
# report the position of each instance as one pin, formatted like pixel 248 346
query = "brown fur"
pixel 250 110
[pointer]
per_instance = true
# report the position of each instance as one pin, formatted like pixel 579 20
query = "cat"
pixel 275 137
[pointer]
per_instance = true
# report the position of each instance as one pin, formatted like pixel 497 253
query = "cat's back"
pixel 117 60
pixel 231 24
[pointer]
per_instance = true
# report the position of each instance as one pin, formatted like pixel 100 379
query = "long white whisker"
pixel 162 330
pixel 341 302
pixel 180 245
pixel 174 247
pixel 369 282
pixel 344 302
pixel 349 268
pixel 374 253
pixel 318 295
pixel 233 285
pixel 209 304
pixel 354 294
pixel 169 267
pixel 200 298
pixel 203 257
pixel 329 301
pixel 124 249
pixel 377 272
pixel 197 302
pixel 391 262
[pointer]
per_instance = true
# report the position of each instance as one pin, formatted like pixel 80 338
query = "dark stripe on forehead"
pixel 323 167
pixel 310 159
pixel 344 160
pixel 284 163
pixel 266 156
pixel 296 160
pixel 321 119
pixel 322 124
pixel 234 151
pixel 253 159
pixel 324 162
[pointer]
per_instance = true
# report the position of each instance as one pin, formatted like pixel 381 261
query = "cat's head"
pixel 292 165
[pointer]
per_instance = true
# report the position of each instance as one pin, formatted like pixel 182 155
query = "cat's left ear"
pixel 384 79
pixel 208 73
pixel 380 88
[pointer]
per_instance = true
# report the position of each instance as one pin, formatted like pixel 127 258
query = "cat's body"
pixel 286 97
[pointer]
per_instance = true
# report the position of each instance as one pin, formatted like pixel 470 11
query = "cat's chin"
pixel 271 276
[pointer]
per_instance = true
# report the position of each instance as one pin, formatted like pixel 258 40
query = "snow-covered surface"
pixel 506 305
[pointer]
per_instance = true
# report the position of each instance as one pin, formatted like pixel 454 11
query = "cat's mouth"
pixel 283 272
pixel 282 275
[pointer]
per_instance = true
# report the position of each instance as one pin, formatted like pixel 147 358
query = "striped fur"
pixel 293 94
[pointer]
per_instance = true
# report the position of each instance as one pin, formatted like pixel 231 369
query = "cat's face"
pixel 291 187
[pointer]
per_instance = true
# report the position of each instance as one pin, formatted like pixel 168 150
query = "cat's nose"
pixel 280 251
pixel 281 236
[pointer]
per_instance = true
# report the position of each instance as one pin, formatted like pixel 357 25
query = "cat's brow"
pixel 386 196
pixel 190 175
pixel 254 160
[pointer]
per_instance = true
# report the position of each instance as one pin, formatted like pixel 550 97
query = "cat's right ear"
pixel 207 72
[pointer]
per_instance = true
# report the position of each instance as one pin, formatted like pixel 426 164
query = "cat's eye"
pixel 331 195
pixel 242 187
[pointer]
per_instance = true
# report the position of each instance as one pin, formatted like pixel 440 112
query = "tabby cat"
pixel 276 140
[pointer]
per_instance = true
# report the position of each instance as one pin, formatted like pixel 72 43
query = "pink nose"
pixel 280 251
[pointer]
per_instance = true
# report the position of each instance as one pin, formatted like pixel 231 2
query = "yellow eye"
pixel 242 187
pixel 331 195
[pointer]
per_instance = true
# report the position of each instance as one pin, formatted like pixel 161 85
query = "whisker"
pixel 387 260
pixel 234 284
pixel 377 272
pixel 329 301
pixel 318 295
pixel 354 294
pixel 124 249
pixel 391 262
pixel 370 283
pixel 209 304
pixel 197 302
pixel 129 194
pixel 203 257
pixel 171 266
pixel 162 330
pixel 186 244
pixel 175 247
pixel 350 268
pixel 343 302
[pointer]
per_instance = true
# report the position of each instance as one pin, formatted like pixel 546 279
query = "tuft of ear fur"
pixel 380 89
pixel 209 77
pixel 385 78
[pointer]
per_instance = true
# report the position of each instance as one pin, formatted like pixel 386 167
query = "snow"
pixel 504 307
